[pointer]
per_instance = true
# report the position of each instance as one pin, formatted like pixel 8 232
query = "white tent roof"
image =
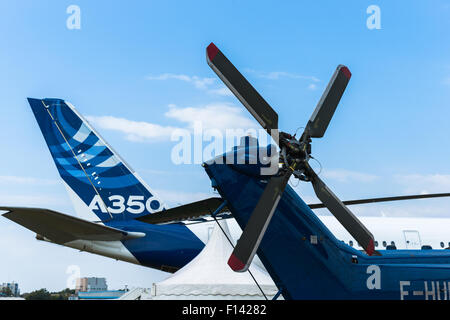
pixel 208 275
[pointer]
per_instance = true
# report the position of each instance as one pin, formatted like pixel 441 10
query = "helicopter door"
pixel 412 239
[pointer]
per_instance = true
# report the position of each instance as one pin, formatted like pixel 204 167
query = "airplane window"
pixel 392 243
pixel 376 243
pixel 442 244
pixel 350 243
pixel 384 244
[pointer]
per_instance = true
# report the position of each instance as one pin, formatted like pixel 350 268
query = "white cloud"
pixel 205 83
pixel 223 91
pixel 276 75
pixel 202 83
pixel 198 82
pixel 136 131
pixel 423 184
pixel 219 116
pixel 167 76
pixel 312 86
pixel 343 175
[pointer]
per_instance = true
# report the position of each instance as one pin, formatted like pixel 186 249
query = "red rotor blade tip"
pixel 370 248
pixel 235 263
pixel 346 72
pixel 212 50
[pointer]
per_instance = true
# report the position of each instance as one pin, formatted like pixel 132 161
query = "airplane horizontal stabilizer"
pixel 188 211
pixel 62 228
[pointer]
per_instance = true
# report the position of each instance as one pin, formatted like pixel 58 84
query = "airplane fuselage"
pixel 164 247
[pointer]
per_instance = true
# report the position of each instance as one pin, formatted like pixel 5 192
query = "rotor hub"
pixel 295 155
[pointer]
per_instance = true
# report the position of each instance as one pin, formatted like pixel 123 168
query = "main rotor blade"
pixel 241 88
pixel 384 199
pixel 246 247
pixel 348 220
pixel 328 103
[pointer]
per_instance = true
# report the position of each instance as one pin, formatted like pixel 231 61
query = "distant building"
pixel 14 287
pixel 91 284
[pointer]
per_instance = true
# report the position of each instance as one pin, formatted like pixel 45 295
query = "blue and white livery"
pixel 98 179
pixel 107 195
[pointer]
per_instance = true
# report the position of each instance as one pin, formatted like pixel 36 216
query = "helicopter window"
pixel 384 244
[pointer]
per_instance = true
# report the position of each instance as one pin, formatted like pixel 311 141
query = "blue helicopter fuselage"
pixel 305 259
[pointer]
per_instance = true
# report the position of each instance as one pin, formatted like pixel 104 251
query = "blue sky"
pixel 145 62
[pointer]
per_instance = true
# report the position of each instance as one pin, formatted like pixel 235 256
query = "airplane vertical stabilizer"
pixel 98 180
